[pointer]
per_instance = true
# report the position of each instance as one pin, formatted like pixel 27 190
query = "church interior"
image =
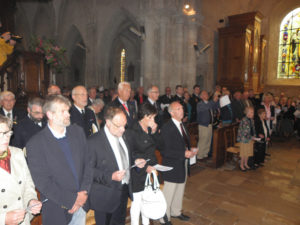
pixel 243 45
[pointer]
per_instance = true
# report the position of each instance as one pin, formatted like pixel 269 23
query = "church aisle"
pixel 267 196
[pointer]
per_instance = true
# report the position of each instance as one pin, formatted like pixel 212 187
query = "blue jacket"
pixel 203 113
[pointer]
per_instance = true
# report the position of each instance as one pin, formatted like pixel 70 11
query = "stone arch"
pixel 115 37
pixel 76 55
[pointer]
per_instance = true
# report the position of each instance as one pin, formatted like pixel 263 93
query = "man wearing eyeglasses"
pixel 80 113
pixel 30 125
pixel 111 162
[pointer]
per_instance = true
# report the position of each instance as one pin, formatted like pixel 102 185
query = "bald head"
pixel 80 96
pixel 53 90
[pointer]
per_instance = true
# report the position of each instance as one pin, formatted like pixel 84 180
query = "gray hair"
pixel 6 120
pixel 6 94
pixel 122 84
pixel 170 107
pixel 35 101
pixel 50 102
pixel 150 88
pixel 75 88
pixel 98 101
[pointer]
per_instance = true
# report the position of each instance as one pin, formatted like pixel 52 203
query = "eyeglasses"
pixel 37 113
pixel 6 134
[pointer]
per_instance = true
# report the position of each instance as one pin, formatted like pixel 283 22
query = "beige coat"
pixel 17 188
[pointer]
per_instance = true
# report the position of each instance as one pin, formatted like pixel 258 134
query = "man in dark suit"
pixel 140 97
pixel 153 94
pixel 124 90
pixel 165 101
pixel 30 125
pixel 195 98
pixel 60 165
pixel 80 113
pixel 180 98
pixel 92 95
pixel 111 183
pixel 237 107
pixel 175 148
pixel 205 120
pixel 8 101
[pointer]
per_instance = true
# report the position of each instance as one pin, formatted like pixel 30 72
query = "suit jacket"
pixel 132 112
pixel 164 99
pixel 193 102
pixel 172 147
pixel 237 109
pixel 105 193
pixel 17 188
pixel 137 98
pixel 52 174
pixel 24 130
pixel 85 121
pixel 260 129
pixel 18 114
pixel 205 111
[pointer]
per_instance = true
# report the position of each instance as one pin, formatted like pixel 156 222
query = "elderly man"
pixel 60 165
pixel 153 95
pixel 111 187
pixel 80 114
pixel 92 91
pixel 175 148
pixel 124 90
pixel 97 107
pixel 30 125
pixel 8 101
pixel 205 118
pixel 140 97
pixel 53 90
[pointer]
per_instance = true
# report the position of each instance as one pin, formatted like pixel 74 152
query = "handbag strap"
pixel 148 180
pixel 155 181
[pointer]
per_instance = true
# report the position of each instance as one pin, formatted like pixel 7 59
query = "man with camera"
pixel 7 44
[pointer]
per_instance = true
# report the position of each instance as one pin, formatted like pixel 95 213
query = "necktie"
pixel 126 108
pixel 82 112
pixel 8 115
pixel 185 138
pixel 124 160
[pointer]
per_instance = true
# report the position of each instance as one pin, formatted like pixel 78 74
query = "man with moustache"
pixel 60 165
pixel 30 125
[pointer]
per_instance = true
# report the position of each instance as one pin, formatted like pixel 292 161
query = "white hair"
pixel 122 84
pixel 6 94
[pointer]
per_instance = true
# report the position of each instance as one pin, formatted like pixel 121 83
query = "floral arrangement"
pixel 54 55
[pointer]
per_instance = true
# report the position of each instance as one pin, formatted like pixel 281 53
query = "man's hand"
pixel 140 163
pixel 80 201
pixel 118 175
pixel 35 209
pixel 15 217
pixel 194 151
pixel 188 154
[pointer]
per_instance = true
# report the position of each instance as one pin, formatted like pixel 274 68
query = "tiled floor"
pixel 267 196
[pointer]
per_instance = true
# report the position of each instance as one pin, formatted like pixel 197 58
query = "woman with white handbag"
pixel 141 138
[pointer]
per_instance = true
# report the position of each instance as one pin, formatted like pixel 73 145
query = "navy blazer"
pixel 24 130
pixel 105 194
pixel 85 121
pixel 18 114
pixel 203 113
pixel 172 148
pixel 52 175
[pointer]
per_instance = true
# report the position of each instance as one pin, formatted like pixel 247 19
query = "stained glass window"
pixel 289 46
pixel 123 64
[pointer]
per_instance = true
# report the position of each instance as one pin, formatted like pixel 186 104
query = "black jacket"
pixel 260 129
pixel 193 102
pixel 53 176
pixel 172 147
pixel 85 121
pixel 24 130
pixel 143 146
pixel 105 193
pixel 237 109
pixel 18 114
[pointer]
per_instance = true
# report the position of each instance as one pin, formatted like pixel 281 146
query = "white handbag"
pixel 154 205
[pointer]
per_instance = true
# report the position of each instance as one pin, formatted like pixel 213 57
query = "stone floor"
pixel 267 196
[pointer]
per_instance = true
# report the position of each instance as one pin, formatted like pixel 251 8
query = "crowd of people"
pixel 92 148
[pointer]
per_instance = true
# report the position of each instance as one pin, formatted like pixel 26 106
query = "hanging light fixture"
pixel 188 9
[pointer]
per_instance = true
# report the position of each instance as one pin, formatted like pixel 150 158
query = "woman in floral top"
pixel 245 135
